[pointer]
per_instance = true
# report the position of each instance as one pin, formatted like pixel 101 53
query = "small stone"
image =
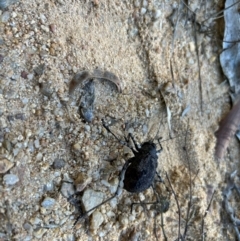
pixel 67 189
pixel 24 74
pixel 10 179
pixel 30 76
pixel 48 202
pixel 52 28
pixel 46 90
pixel 77 147
pixel 82 181
pixel 137 3
pixel 5 17
pixel 91 199
pixel 143 11
pixel 49 187
pixel 5 165
pixel 14 14
pixel 39 156
pixel 20 116
pixel 144 3
pixel 40 69
pixel 156 14
pixel 45 28
pixel 43 18
pixel 58 163
pixel 27 226
pixel 97 220
pixel 87 128
pixel 25 101
pixel 7 145
pixel 123 220
pixel 36 143
pixel 39 232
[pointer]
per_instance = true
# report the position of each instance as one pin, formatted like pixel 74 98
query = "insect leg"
pixel 125 143
pixel 134 142
pixel 107 128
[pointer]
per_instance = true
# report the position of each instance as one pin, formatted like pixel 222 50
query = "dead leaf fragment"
pixel 78 79
pixel 107 75
pixel 227 129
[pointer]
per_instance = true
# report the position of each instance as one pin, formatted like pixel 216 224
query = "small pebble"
pixel 52 28
pixel 67 189
pixel 39 232
pixel 24 100
pixel 10 179
pixel 82 181
pixel 58 163
pixel 5 17
pixel 144 3
pixel 27 226
pixel 20 116
pixel 24 74
pixel 39 70
pixel 143 11
pixel 87 128
pixel 48 202
pixel 36 143
pixel 91 198
pixel 49 187
pixel 97 220
pixel 39 156
pixel 137 3
pixel 14 14
pixel 156 14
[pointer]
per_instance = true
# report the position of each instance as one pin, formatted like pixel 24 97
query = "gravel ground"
pixel 48 152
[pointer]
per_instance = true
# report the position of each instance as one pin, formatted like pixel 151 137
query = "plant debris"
pixel 83 76
pixel 86 106
pixel 227 129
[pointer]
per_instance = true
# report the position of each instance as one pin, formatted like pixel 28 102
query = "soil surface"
pixel 164 80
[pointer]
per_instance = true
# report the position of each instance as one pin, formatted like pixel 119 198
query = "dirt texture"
pixel 167 83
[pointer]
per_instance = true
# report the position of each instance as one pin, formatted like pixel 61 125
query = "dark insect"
pixel 138 172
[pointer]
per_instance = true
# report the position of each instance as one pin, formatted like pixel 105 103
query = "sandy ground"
pixel 47 146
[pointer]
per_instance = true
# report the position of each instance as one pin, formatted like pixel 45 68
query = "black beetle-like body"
pixel 140 173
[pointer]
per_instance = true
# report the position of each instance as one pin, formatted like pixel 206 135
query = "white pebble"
pixel 39 156
pixel 143 11
pixel 144 3
pixel 36 143
pixel 156 14
pixel 48 202
pixel 97 220
pixel 14 14
pixel 5 17
pixel 10 179
pixel 25 101
pixel 137 3
pixel 91 198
